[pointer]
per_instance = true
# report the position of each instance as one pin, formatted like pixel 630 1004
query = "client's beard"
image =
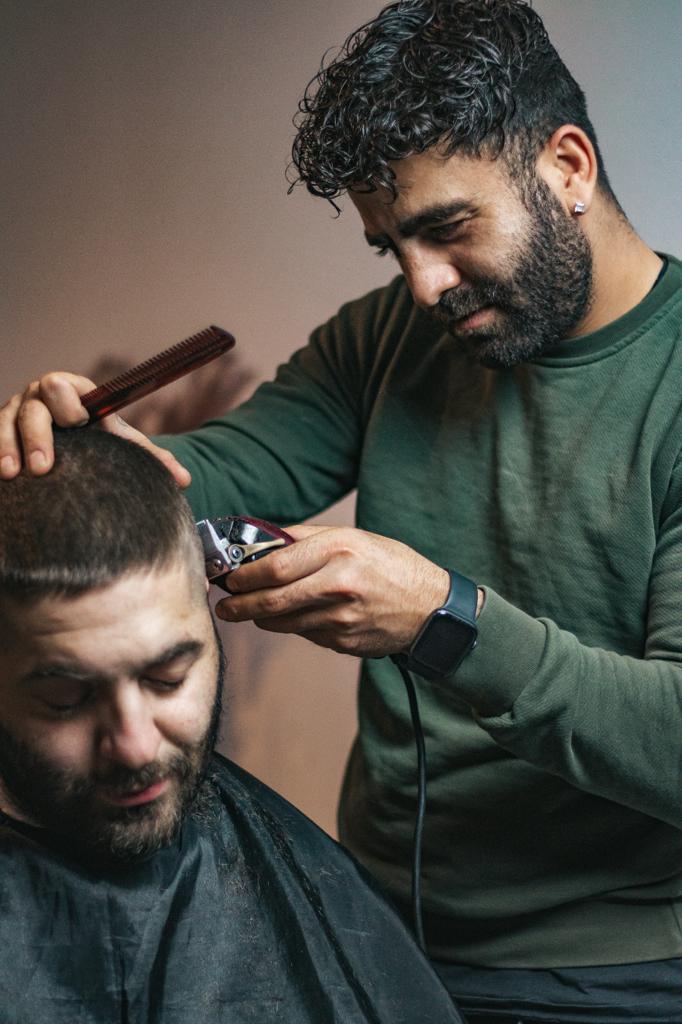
pixel 66 804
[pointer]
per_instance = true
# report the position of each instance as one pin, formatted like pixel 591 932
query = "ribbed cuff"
pixel 508 653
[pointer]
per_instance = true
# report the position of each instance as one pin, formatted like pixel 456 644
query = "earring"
pixel 579 208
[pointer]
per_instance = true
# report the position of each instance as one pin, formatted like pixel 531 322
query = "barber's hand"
pixel 355 592
pixel 26 426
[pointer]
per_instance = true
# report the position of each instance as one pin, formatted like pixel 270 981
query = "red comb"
pixel 153 373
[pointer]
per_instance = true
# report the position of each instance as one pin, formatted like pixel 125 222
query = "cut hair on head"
pixel 476 77
pixel 107 508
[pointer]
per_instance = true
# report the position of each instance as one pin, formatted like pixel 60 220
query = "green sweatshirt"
pixel 554 826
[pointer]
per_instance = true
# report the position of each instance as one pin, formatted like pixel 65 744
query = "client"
pixel 144 878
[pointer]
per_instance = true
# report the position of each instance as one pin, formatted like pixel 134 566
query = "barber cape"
pixel 252 914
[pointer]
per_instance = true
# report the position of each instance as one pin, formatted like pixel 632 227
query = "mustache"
pixel 120 780
pixel 457 304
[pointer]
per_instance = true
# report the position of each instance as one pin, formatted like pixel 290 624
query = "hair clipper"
pixel 231 541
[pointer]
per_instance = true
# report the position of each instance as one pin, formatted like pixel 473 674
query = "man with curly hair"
pixel 508 409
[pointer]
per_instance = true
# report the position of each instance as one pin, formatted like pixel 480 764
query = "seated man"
pixel 144 878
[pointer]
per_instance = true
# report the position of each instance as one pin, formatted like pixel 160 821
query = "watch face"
pixel 444 642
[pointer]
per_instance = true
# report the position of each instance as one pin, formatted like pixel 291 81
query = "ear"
pixel 568 164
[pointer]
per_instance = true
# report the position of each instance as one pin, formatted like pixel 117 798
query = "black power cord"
pixel 421 805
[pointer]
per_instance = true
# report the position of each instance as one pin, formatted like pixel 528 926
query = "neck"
pixel 624 267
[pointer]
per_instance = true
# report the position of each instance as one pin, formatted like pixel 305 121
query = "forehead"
pixel 429 179
pixel 107 628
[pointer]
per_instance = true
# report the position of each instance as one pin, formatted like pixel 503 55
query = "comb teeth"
pixel 153 373
pixel 172 358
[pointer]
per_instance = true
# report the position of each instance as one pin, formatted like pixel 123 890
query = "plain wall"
pixel 143 193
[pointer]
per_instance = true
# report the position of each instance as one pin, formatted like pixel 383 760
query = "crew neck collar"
pixel 625 329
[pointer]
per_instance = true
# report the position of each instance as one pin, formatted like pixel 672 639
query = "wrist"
pixel 449 632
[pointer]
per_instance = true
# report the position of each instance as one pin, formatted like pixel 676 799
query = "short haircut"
pixel 107 508
pixel 479 77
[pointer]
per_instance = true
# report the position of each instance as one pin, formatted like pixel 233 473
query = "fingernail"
pixel 8 465
pixel 37 460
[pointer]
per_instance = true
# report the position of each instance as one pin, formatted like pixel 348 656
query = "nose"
pixel 428 276
pixel 129 734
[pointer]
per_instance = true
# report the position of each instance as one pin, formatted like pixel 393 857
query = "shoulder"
pixel 389 308
pixel 669 287
pixel 369 333
pixel 243 794
pixel 276 830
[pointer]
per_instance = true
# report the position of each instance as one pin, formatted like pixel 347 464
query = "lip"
pixel 476 319
pixel 141 796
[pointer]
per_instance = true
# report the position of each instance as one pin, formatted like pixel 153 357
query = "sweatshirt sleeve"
pixel 608 723
pixel 293 449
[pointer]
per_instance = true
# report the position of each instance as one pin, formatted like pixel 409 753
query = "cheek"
pixel 190 715
pixel 67 746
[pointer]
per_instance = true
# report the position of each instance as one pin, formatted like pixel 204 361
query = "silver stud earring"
pixel 579 208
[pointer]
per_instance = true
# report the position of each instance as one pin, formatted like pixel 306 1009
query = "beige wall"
pixel 143 192
pixel 145 188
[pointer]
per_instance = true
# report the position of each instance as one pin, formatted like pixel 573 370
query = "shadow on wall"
pixel 289 712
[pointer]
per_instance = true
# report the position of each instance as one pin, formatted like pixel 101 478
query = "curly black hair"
pixel 474 76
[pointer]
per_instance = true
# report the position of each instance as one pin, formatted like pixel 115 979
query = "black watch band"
pixel 449 633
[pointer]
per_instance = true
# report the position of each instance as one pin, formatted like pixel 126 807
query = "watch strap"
pixel 463 597
pixel 460 605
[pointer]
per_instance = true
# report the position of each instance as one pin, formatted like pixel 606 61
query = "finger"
pixel 320 634
pixel 286 565
pixel 10 444
pixel 34 429
pixel 61 393
pixel 53 398
pixel 180 474
pixel 115 425
pixel 10 449
pixel 299 623
pixel 272 602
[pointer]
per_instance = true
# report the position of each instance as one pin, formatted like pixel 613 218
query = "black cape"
pixel 252 915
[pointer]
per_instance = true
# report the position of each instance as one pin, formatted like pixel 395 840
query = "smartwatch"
pixel 449 633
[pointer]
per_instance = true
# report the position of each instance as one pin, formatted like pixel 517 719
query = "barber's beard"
pixel 71 806
pixel 546 291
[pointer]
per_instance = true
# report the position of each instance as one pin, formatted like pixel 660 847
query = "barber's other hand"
pixel 355 592
pixel 26 426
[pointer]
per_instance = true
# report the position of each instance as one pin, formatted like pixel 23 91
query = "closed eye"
pixel 169 674
pixel 164 685
pixel 450 231
pixel 66 699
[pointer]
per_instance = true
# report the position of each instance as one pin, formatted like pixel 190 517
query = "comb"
pixel 154 373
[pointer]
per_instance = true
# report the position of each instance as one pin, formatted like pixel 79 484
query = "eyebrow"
pixel 61 669
pixel 409 226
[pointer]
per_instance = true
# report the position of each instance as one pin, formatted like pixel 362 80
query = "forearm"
pixel 287 453
pixel 604 722
pixel 234 472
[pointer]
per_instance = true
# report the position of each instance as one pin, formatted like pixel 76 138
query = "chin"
pixel 503 353
pixel 486 350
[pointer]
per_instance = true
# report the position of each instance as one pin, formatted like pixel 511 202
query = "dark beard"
pixel 547 293
pixel 67 804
